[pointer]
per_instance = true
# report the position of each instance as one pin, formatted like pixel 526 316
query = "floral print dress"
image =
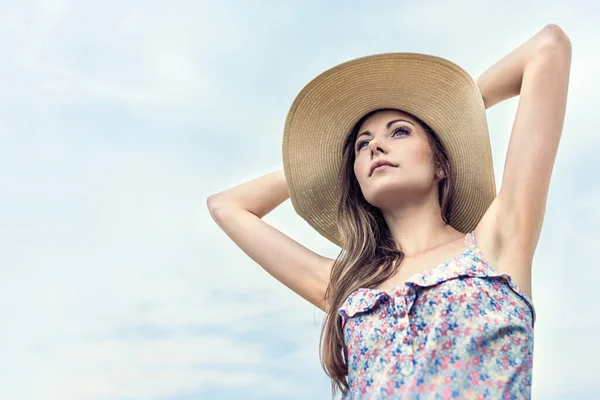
pixel 460 330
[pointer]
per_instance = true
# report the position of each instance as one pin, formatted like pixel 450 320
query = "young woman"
pixel 388 156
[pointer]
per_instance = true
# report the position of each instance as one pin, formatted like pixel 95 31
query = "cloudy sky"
pixel 119 118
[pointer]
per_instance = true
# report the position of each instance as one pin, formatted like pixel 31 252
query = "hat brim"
pixel 437 91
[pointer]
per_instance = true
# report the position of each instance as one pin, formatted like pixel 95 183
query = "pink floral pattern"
pixel 460 330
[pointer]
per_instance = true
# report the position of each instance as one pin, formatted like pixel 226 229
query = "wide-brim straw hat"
pixel 435 90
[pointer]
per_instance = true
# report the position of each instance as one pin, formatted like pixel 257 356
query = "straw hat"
pixel 436 90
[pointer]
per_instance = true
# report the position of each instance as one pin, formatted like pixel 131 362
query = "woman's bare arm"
pixel 538 71
pixel 258 196
pixel 239 212
pixel 504 79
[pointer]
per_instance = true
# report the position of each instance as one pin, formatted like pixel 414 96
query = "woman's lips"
pixel 381 167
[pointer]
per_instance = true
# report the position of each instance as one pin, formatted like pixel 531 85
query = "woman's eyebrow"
pixel 387 126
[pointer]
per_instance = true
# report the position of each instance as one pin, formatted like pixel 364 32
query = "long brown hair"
pixel 370 255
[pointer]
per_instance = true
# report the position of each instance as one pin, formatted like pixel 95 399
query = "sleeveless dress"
pixel 460 330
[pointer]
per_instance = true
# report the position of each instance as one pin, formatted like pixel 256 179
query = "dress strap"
pixel 470 239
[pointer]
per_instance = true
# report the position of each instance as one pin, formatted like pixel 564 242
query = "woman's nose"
pixel 375 146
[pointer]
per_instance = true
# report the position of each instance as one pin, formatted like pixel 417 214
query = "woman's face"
pixel 396 137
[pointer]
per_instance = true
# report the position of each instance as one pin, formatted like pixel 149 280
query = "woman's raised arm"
pixel 239 212
pixel 538 71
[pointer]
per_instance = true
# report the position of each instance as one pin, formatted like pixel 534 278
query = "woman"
pixel 388 156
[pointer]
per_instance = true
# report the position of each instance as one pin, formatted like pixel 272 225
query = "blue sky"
pixel 119 119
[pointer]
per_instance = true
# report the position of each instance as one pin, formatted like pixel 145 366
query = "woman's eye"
pixel 400 130
pixel 403 130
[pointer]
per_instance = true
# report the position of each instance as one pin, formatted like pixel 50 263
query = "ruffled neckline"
pixel 471 262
